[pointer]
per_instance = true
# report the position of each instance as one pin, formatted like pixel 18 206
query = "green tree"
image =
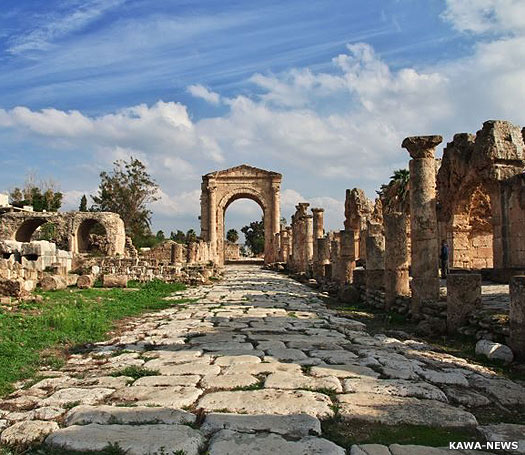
pixel 232 236
pixel 179 236
pixel 191 236
pixel 40 194
pixel 254 234
pixel 160 236
pixel 83 204
pixel 128 189
pixel 395 194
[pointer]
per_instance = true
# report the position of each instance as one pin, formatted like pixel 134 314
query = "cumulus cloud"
pixel 199 91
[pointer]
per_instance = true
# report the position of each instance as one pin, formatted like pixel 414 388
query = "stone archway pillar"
pixel 423 219
pixel 212 216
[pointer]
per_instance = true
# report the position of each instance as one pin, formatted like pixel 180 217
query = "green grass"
pixel 39 332
pixel 347 433
pixel 136 372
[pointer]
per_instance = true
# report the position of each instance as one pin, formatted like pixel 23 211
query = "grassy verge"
pixel 37 331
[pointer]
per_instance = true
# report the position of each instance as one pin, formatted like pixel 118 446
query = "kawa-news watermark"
pixel 490 445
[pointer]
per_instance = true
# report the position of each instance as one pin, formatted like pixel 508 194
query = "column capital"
pixel 317 210
pixel 421 146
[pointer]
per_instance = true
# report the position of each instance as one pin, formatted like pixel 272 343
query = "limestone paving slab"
pixel 133 439
pixel 268 401
pixel 29 432
pixel 175 396
pixel 295 426
pixel 64 397
pixel 233 443
pixel 390 410
pixel 104 415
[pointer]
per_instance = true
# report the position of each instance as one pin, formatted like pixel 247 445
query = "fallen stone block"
pixel 85 281
pixel 494 351
pixel 115 281
pixel 53 283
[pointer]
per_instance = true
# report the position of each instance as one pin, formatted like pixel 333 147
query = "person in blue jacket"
pixel 443 259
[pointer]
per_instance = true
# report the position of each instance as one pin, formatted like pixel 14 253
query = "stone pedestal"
pixel 423 220
pixel 396 258
pixel 463 297
pixel 517 316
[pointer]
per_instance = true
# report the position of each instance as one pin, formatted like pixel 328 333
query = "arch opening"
pixel 243 213
pixel 92 238
pixel 28 228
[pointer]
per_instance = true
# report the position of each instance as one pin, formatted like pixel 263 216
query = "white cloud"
pixel 480 16
pixel 199 91
pixel 340 129
pixel 51 27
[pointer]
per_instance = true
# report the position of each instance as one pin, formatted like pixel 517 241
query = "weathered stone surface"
pixel 228 381
pixel 466 397
pixel 506 432
pixel 189 368
pixel 343 371
pixel 134 439
pixel 25 433
pixel 369 449
pixel 396 410
pixel 334 357
pixel 295 426
pixel 105 415
pixel 295 381
pixel 278 402
pixel 236 360
pixel 463 298
pixel 395 387
pixel 167 381
pixel 68 396
pixel 442 377
pixel 232 443
pixel 508 393
pixel 494 351
pixel 176 397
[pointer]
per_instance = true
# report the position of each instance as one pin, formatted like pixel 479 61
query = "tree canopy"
pixel 128 189
pixel 41 194
pixel 232 236
pixel 254 234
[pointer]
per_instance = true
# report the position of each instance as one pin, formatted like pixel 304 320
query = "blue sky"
pixel 322 91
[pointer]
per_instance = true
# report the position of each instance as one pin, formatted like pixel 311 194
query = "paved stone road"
pixel 251 367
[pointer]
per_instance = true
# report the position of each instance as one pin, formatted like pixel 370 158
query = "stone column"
pixel 323 257
pixel 423 220
pixel 212 217
pixel 463 297
pixel 517 316
pixel 396 258
pixel 276 223
pixel 309 236
pixel 375 257
pixel 318 228
pixel 347 256
pixel 285 245
pixel 335 256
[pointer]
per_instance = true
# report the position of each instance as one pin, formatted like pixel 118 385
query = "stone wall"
pixel 231 251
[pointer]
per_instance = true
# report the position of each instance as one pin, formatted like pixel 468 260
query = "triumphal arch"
pixel 220 188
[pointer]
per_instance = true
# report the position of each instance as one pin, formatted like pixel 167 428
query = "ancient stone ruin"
pixel 473 199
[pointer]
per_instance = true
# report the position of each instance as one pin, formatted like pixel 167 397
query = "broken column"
pixel 302 237
pixel 463 297
pixel 423 220
pixel 347 256
pixel 517 316
pixel 375 257
pixel 396 258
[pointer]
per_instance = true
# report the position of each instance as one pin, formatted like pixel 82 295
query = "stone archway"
pixel 219 189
